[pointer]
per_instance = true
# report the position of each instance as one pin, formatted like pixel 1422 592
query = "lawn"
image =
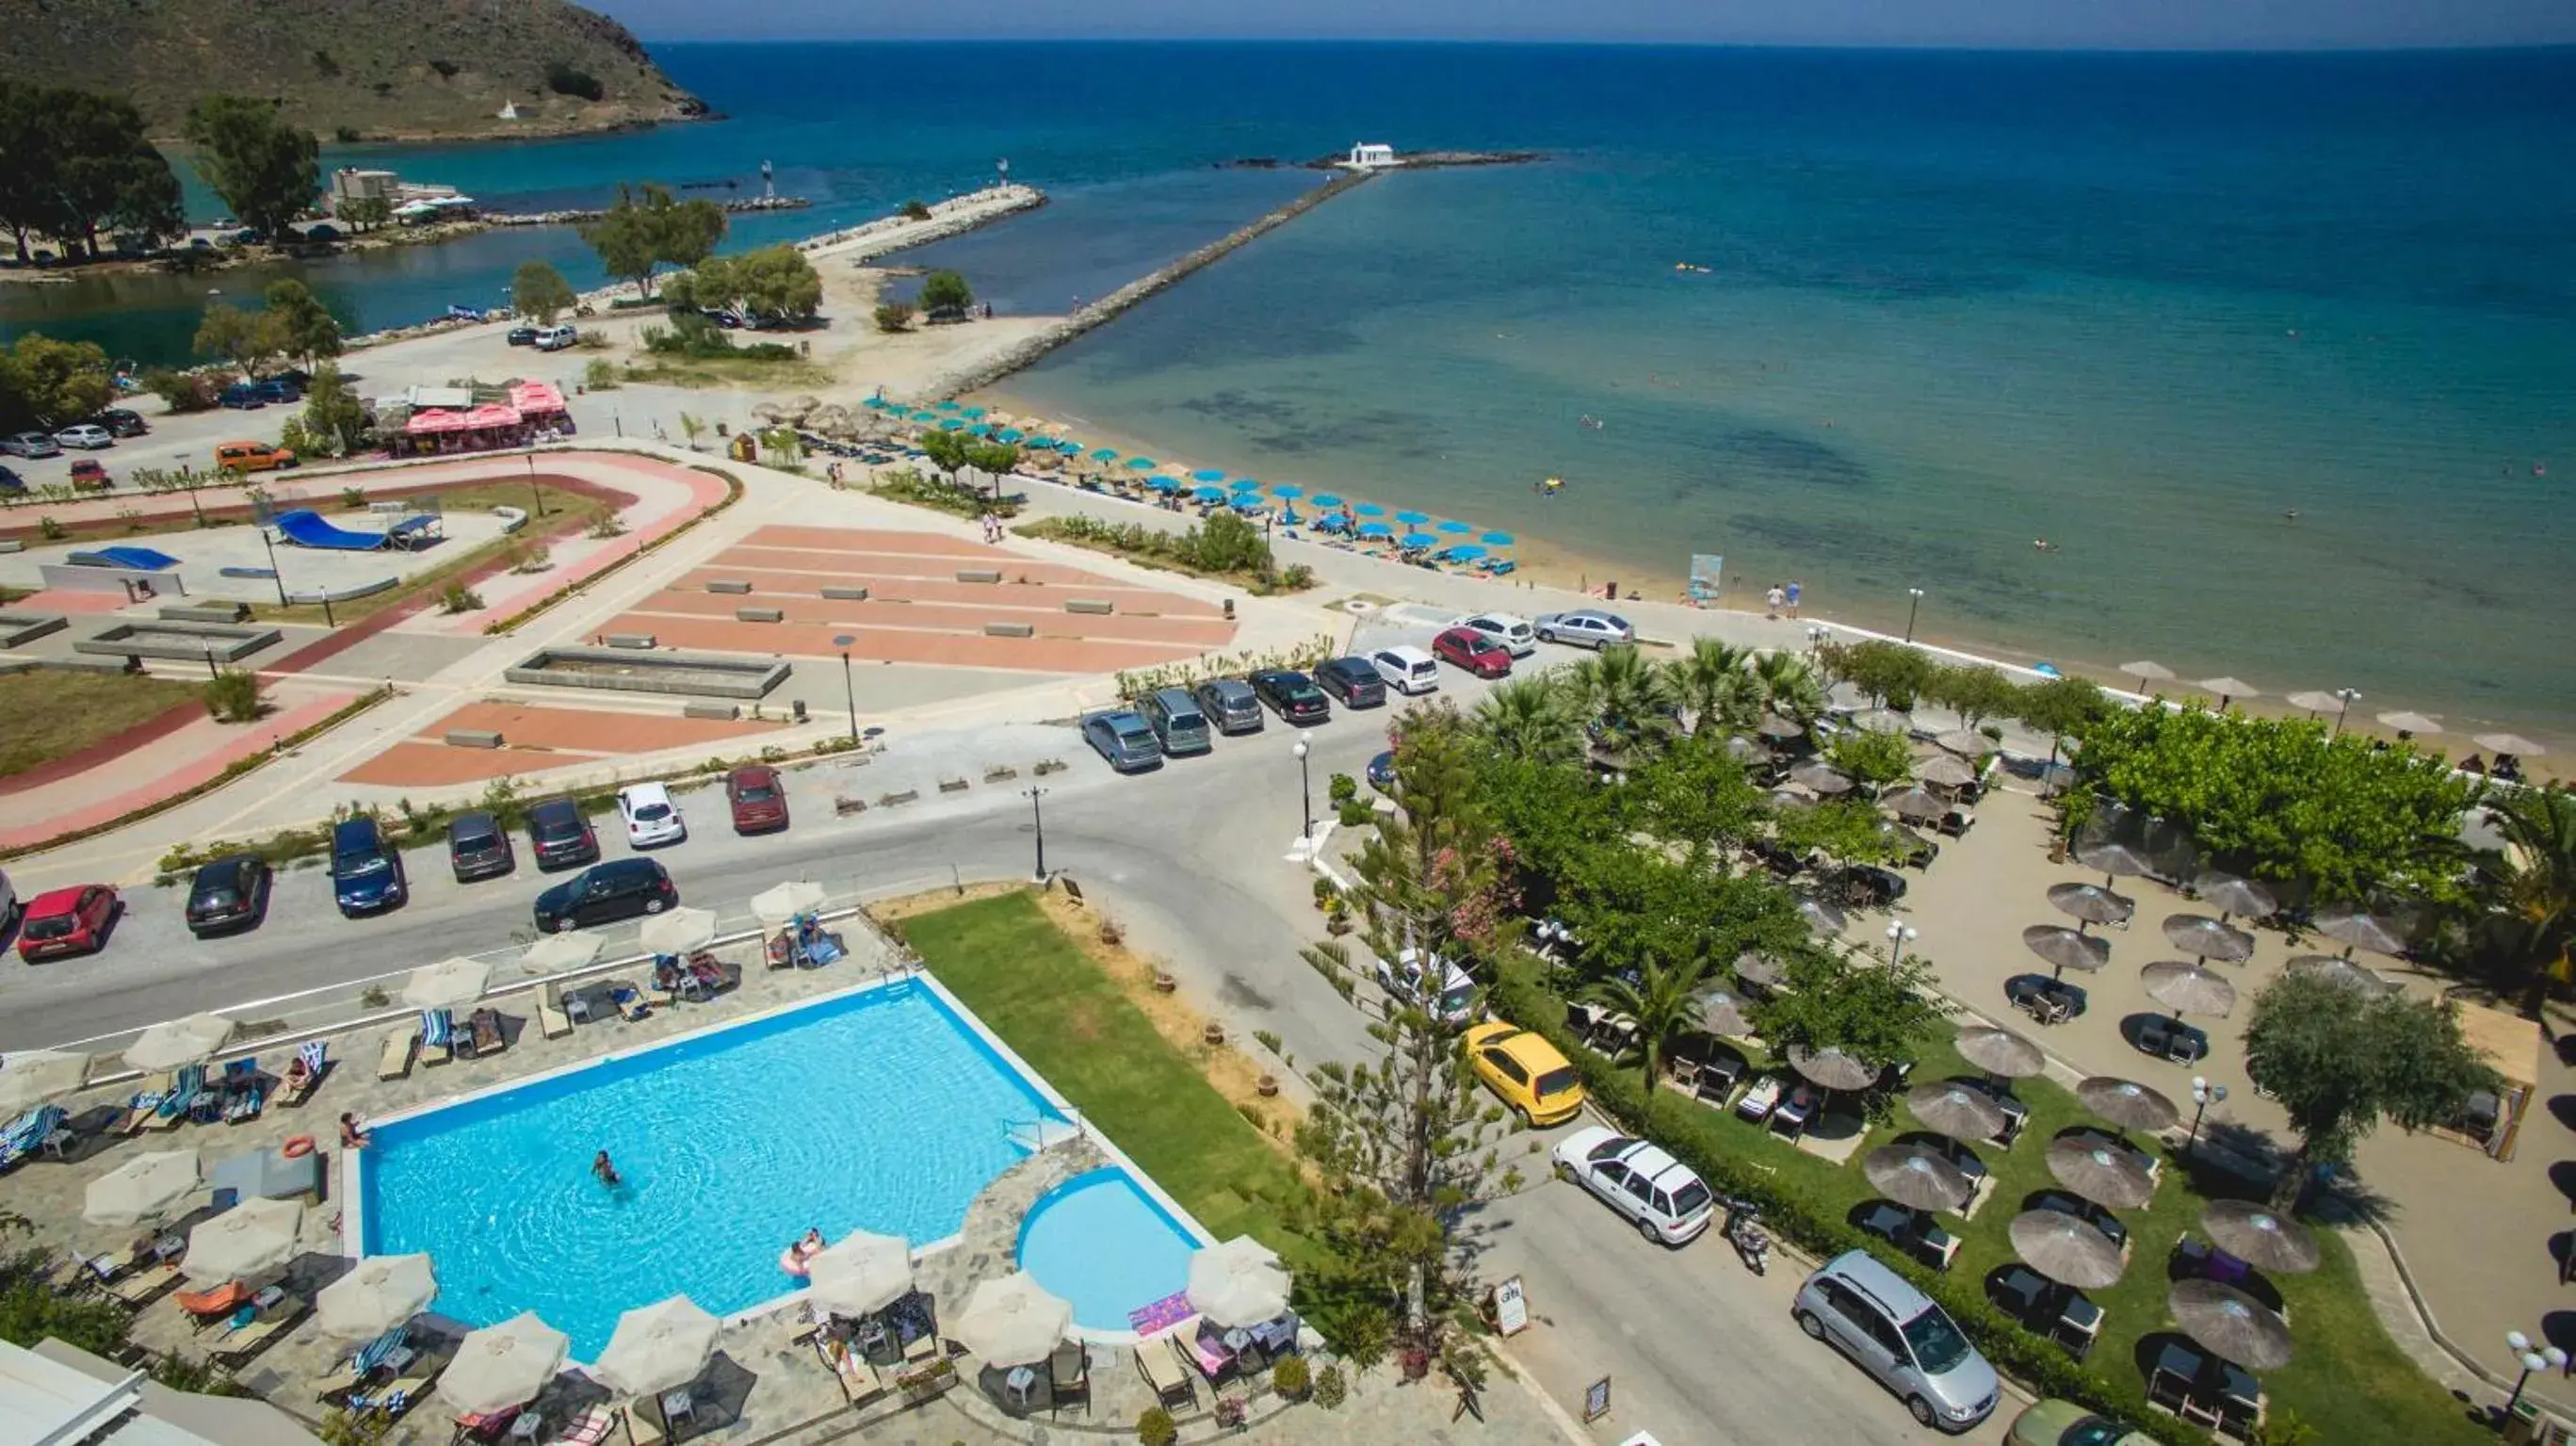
pixel 52 713
pixel 1063 1013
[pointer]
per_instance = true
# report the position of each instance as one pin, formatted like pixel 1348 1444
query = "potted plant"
pixel 1266 1086
pixel 1290 1379
pixel 1416 1362
pixel 1213 1032
pixel 1155 1427
pixel 1164 983
pixel 1231 1411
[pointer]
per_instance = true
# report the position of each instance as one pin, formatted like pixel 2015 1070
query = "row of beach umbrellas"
pixel 2317 701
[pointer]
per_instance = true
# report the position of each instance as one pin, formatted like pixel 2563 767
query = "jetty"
pixel 735 207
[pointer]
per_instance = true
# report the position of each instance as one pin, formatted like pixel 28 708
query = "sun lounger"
pixel 630 1001
pixel 1069 1376
pixel 590 1428
pixel 249 1340
pixel 180 1099
pixel 437 1036
pixel 861 1381
pixel 145 1103
pixel 27 1133
pixel 487 1425
pixel 552 1022
pixel 483 1033
pixel 702 966
pixel 400 1043
pixel 245 1093
pixel 399 1396
pixel 209 1308
pixel 1159 1362
pixel 304 1075
pixel 1212 1356
pixel 144 1286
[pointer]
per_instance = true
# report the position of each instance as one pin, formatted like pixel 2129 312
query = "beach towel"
pixel 1162 1315
pixel 376 1352
pixel 437 1030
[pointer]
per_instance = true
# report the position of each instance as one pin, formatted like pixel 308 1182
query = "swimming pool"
pixel 1102 1243
pixel 879 1110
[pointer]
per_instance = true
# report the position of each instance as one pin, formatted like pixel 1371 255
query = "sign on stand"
pixel 1511 1308
pixel 1596 1400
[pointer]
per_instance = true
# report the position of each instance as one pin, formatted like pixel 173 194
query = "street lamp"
pixel 2530 1360
pixel 2349 697
pixel 850 692
pixel 1038 818
pixel 1899 934
pixel 270 542
pixel 1911 609
pixel 2203 1095
pixel 1816 638
pixel 1305 790
pixel 536 493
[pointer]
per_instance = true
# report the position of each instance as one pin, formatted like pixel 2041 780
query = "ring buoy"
pixel 299 1146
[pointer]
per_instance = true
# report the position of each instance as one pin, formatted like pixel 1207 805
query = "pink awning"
pixel 536 397
pixel 423 423
pixel 491 416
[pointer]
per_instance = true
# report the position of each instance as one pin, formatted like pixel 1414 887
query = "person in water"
pixel 606 1172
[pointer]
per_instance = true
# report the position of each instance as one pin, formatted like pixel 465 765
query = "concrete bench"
pixel 979 574
pixel 1010 630
pixel 726 711
pixel 12 545
pixel 1089 605
pixel 760 615
pixel 630 640
pixel 729 585
pixel 952 785
pixel 889 800
pixel 207 612
pixel 473 738
pixel 845 594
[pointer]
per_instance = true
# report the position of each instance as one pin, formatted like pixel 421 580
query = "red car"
pixel 66 921
pixel 90 476
pixel 758 799
pixel 1473 651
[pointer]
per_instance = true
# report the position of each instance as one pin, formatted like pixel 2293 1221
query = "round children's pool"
pixel 1099 1241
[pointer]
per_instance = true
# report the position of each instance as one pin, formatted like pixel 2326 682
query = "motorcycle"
pixel 1745 1233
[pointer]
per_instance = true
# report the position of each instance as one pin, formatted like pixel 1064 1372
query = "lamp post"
pixel 1038 818
pixel 2530 1361
pixel 850 692
pixel 1816 638
pixel 2203 1095
pixel 268 541
pixel 1911 609
pixel 1899 934
pixel 536 494
pixel 2349 697
pixel 1305 790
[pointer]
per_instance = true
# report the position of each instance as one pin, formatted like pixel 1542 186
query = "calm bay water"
pixel 2141 307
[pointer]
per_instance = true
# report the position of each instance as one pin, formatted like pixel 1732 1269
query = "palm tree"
pixel 1531 719
pixel 1628 699
pixel 1789 686
pixel 2531 886
pixel 1715 687
pixel 1664 1001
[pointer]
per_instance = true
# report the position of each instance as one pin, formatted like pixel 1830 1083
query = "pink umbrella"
pixel 536 397
pixel 484 417
pixel 424 423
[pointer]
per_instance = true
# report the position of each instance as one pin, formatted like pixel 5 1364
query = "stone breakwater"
pixel 1109 307
pixel 737 207
pixel 953 217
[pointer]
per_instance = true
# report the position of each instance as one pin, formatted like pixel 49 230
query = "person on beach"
pixel 605 1172
pixel 1791 597
pixel 1771 601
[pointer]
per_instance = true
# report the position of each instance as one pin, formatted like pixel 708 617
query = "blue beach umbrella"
pixel 1325 499
pixel 1069 447
pixel 1207 474
pixel 1465 552
pixel 1288 489
pixel 1369 509
pixel 980 429
pixel 974 413
pixel 1208 494
pixel 1413 519
pixel 947 406
pixel 1417 539
pixel 1332 519
pixel 1009 434
pixel 951 424
pixel 1141 464
pixel 1104 454
pixel 1376 529
pixel 1498 539
pixel 1164 484
pixel 925 416
pixel 1453 525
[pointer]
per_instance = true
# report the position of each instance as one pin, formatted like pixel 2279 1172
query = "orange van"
pixel 251 457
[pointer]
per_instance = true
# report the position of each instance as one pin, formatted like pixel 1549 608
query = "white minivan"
pixel 556 338
pixel 1407 669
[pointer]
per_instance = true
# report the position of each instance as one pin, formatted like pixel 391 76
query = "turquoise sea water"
pixel 2139 306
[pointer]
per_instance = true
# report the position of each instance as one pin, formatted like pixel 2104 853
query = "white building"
pixel 61 1395
pixel 1368 157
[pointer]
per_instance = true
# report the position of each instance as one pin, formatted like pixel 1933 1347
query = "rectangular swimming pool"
pixel 877 1110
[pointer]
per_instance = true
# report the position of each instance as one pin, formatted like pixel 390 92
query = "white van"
pixel 1407 669
pixel 556 338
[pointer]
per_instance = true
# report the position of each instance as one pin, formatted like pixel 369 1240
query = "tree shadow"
pixel 2564 1106
pixel 2562 1173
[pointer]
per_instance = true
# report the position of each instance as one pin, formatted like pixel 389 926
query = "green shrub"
pixel 893 316
pixel 1355 813
pixel 915 211
pixel 1291 1379
pixel 353 498
pixel 1155 1427
pixel 50 530
pixel 458 598
pixel 564 79
pixel 1343 788
pixel 601 375
pixel 232 696
pixel 1331 1390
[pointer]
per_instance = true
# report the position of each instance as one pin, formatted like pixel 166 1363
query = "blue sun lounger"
pixel 181 1098
pixel 26 1134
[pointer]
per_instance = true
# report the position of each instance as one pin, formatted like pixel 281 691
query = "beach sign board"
pixel 1706 574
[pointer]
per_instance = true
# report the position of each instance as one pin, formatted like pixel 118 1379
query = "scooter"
pixel 1744 1232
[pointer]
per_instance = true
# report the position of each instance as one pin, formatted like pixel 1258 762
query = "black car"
pixel 1353 680
pixel 522 336
pixel 562 836
pixel 618 889
pixel 479 848
pixel 1292 695
pixel 1381 772
pixel 230 893
pixel 120 423
pixel 366 874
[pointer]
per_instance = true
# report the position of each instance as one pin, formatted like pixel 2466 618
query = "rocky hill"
pixel 377 69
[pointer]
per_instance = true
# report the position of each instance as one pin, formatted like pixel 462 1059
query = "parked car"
pixel 11 481
pixel 1469 649
pixel 1177 721
pixel 280 390
pixel 30 444
pixel 2064 1423
pixel 242 397
pixel 8 902
pixel 1353 680
pixel 1657 1193
pixel 1525 1072
pixel 63 922
pixel 555 338
pixel 606 893
pixel 652 819
pixel 1584 628
pixel 89 475
pixel 522 336
pixel 1230 704
pixel 1901 1337
pixel 1456 1001
pixel 1406 669
pixel 230 893
pixel 86 436
pixel 1292 695
pixel 1381 772
pixel 366 874
pixel 758 798
pixel 1514 633
pixel 561 835
pixel 251 457
pixel 121 422
pixel 479 848
pixel 1123 737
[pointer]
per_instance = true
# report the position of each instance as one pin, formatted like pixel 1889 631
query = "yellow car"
pixel 1527 1072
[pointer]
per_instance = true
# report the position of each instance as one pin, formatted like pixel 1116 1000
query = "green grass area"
pixel 51 713
pixel 790 374
pixel 562 508
pixel 1067 1018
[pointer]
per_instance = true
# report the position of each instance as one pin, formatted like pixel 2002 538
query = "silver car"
pixel 1584 628
pixel 31 444
pixel 1899 1335
pixel 1125 739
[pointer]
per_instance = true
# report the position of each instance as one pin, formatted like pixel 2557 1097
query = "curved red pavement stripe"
pixel 142 735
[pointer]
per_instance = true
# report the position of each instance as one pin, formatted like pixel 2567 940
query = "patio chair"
pixel 630 1001
pixel 401 1043
pixel 209 1308
pixel 859 1378
pixel 2019 1290
pixel 2155 1036
pixel 1758 1101
pixel 1158 1360
pixel 145 1103
pixel 483 1033
pixel 402 1393
pixel 304 1074
pixel 2079 1325
pixel 1717 1076
pixel 1069 1376
pixel 437 1036
pixel 2185 1045
pixel 552 1021
pixel 180 1098
pixel 1792 1115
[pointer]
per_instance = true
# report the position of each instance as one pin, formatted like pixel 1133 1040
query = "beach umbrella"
pixel 1497 539
pixel 555 953
pixel 1369 509
pixel 176 1042
pixel 1243 484
pixel 1375 529
pixel 1916 805
pixel 2316 702
pixel 1762 971
pixel 1955 1109
pixel 505 1365
pixel 1821 778
pixel 925 416
pixel 1164 484
pixel 253 1236
pixel 1822 917
pixel 2231 895
pixel 30 1077
pixel 678 931
pixel 2188 988
pixel 974 413
pixel 779 904
pixel 1779 729
pixel 860 1274
pixel 1011 1321
pixel 2091 904
pixel 2253 1233
pixel 2000 1052
pixel 659 1347
pixel 2411 722
pixel 1417 539
pixel 2147 672
pixel 947 406
pixel 141 1188
pixel 1207 474
pixel 2510 744
pixel 951 424
pixel 1104 454
pixel 1832 1068
pixel 2066 1249
pixel 2066 949
pixel 1884 720
pixel 1325 499
pixel 447 984
pixel 1966 743
pixel 2114 860
pixel 2127 1103
pixel 1208 494
pixel 2230 689
pixel 2228 1321
pixel 1238 1283
pixel 1288 489
pixel 2342 971
pixel 1069 447
pixel 1469 552
pixel 379 1293
pixel 1915 1177
pixel 1009 434
pixel 2110 1178
pixel 1721 1011
pixel 980 429
pixel 2353 928
pixel 1456 528
pixel 1412 518
pixel 1142 464
pixel 2205 938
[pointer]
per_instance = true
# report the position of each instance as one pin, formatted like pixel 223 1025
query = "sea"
pixel 2275 354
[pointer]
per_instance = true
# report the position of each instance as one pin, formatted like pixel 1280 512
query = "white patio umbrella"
pixel 678 931
pixel 658 1347
pixel 503 1365
pixel 176 1042
pixel 142 1187
pixel 382 1292
pixel 253 1236
pixel 555 953
pixel 1238 1283
pixel 31 1077
pixel 447 984
pixel 1012 1321
pixel 776 905
pixel 860 1274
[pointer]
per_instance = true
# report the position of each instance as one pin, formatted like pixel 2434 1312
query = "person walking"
pixel 1772 600
pixel 1792 597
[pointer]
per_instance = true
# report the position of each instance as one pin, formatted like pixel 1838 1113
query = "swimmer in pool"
pixel 606 1172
